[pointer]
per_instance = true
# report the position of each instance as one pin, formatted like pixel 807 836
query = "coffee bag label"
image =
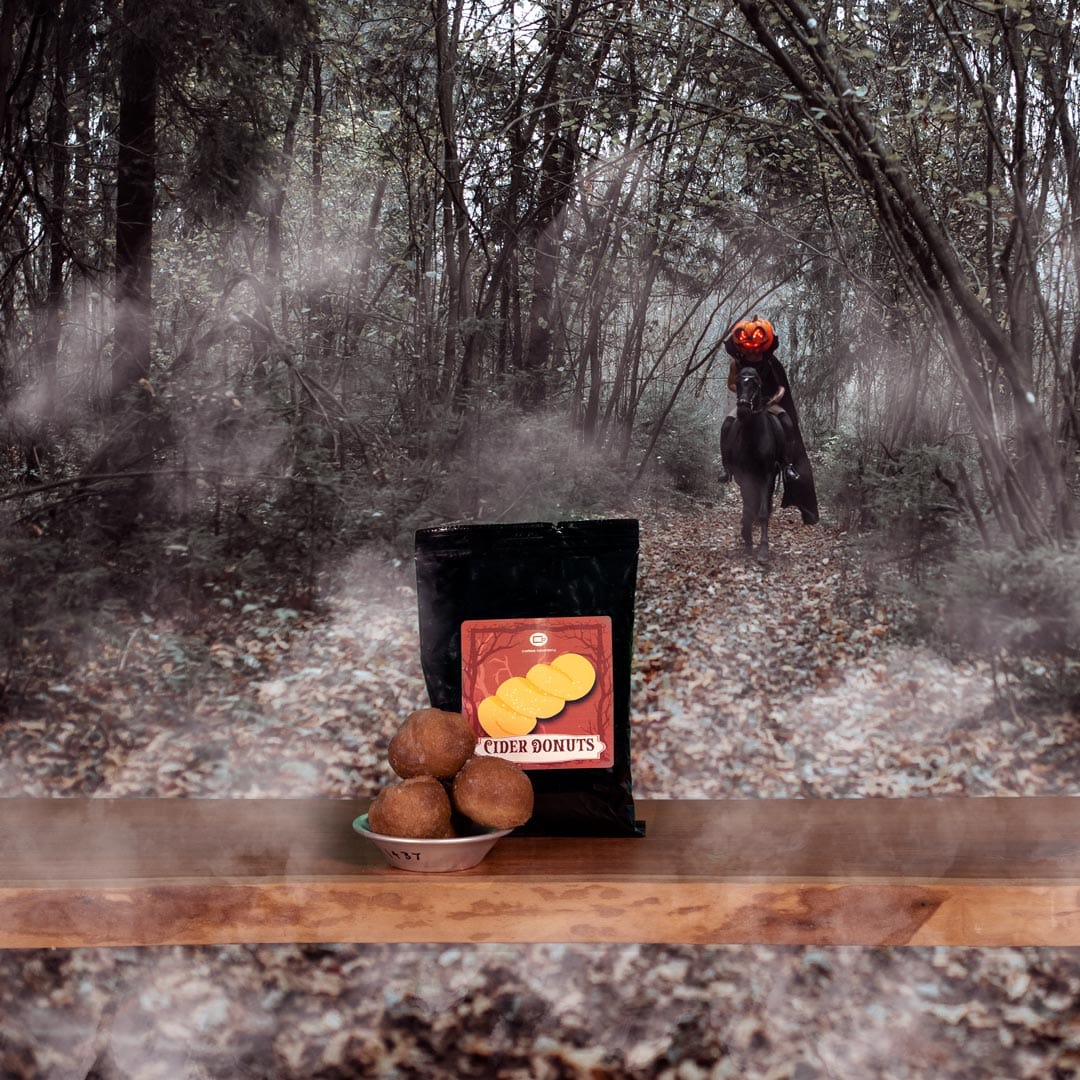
pixel 539 691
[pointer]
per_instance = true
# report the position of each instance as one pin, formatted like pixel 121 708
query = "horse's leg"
pixel 767 492
pixel 764 507
pixel 746 490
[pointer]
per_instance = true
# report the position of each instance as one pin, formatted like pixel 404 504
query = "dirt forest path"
pixel 798 680
pixel 748 682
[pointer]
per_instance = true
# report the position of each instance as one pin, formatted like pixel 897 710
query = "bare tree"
pixel 136 172
pixel 980 349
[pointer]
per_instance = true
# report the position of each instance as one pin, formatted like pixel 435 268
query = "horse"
pixel 756 447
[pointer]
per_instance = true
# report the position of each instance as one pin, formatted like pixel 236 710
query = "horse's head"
pixel 749 397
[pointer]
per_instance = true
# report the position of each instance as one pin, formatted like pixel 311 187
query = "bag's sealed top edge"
pixel 454 536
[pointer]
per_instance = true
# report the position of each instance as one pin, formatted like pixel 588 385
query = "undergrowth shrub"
pixel 1019 610
pixel 843 481
pixel 687 454
pixel 903 505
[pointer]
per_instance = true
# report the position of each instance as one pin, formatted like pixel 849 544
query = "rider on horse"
pixel 753 343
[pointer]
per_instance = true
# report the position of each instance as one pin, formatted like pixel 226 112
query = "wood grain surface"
pixel 99 872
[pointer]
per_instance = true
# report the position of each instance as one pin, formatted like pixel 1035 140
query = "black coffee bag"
pixel 535 622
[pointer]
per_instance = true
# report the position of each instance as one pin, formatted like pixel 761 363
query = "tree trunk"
pixel 457 364
pixel 1068 376
pixel 319 300
pixel 135 181
pixel 7 36
pixel 280 180
pixel 608 250
pixel 58 128
pixel 558 166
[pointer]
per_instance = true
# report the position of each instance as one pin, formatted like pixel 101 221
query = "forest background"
pixel 280 282
pixel 371 267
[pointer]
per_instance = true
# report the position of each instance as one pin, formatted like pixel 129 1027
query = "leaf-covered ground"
pixel 793 680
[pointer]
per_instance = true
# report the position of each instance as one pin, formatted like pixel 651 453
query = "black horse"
pixel 755 448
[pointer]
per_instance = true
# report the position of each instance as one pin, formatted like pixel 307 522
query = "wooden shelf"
pixel 103 872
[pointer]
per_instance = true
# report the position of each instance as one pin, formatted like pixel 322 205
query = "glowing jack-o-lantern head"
pixel 754 335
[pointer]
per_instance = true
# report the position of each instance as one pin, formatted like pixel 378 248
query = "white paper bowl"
pixel 431 856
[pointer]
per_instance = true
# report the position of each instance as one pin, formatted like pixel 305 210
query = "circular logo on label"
pixel 538 639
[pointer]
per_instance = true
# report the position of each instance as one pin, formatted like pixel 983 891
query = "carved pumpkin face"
pixel 754 335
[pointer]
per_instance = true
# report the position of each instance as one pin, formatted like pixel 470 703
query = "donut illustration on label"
pixel 539 691
pixel 520 702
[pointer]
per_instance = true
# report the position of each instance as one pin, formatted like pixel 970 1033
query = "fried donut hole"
pixel 493 792
pixel 431 742
pixel 417 808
